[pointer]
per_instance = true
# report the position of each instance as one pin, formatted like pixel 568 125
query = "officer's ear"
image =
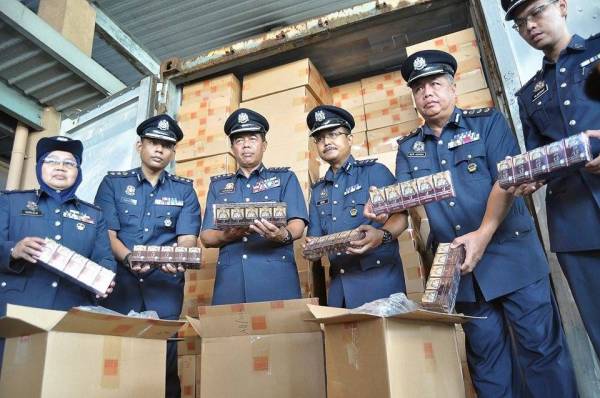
pixel 138 145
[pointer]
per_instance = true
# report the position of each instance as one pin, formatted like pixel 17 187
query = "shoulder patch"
pixel 365 162
pixel 220 177
pixel 183 180
pixel 124 173
pixel 89 204
pixel 412 134
pixel 477 112
pixel 320 180
pixel 278 169
pixel 9 191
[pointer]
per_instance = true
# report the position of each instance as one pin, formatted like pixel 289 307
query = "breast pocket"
pixel 539 109
pixel 129 215
pixel 167 216
pixel 419 166
pixel 579 78
pixel 470 162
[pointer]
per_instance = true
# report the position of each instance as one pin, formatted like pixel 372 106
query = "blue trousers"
pixel 540 344
pixel 582 270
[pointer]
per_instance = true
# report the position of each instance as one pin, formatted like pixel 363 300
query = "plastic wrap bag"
pixel 396 304
pixel 102 310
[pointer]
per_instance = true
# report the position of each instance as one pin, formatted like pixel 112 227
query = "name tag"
pixel 130 201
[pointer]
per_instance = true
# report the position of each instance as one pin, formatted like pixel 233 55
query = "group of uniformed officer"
pixel 505 274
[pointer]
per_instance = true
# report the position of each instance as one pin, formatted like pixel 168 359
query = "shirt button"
pixel 247 199
pixel 247 185
pixel 57 223
pixel 563 85
pixel 443 162
pixel 451 204
pixel 266 197
pixel 469 156
pixel 415 168
pixel 334 218
pixel 141 280
pixel 283 257
pixel 567 102
pixel 562 70
pixel 126 211
pixel 457 227
pixel 225 200
pixel 245 239
pixel 440 142
pixel 335 202
pixel 517 233
pixel 145 229
pixel 336 185
pixel 148 213
pixel 57 211
pixel 151 194
pixel 342 271
pixel 3 284
pixel 572 123
pixel 378 262
pixel 57 237
pixel 54 284
pixel 539 103
pixel 244 257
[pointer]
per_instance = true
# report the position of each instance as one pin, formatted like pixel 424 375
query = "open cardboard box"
pixel 407 355
pixel 82 354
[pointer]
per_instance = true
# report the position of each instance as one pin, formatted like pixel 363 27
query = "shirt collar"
pixel 576 44
pixel 141 177
pixel 348 168
pixel 455 120
pixel 260 170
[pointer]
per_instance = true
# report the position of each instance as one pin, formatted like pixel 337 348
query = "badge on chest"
pixel 31 209
pixel 463 138
pixel 166 201
pixel 418 150
pixel 263 185
pixel 78 216
pixel 539 89
pixel 228 188
pixel 323 197
pixel 352 188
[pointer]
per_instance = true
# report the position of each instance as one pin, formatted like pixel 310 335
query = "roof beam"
pixel 45 37
pixel 20 107
pixel 125 45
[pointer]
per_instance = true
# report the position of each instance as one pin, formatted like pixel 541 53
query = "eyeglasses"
pixel 331 135
pixel 67 163
pixel 253 139
pixel 534 15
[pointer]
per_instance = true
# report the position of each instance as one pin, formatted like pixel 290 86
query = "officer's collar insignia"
pixel 243 118
pixel 539 89
pixel 130 190
pixel 319 116
pixel 419 63
pixel 163 125
pixel 352 188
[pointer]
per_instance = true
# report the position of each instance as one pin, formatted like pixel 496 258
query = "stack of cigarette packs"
pixel 334 243
pixel 444 278
pixel 538 164
pixel 230 215
pixel 412 193
pixel 73 266
pixel 156 256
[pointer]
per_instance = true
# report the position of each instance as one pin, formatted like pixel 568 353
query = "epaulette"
pixel 594 36
pixel 320 180
pixel 9 191
pixel 220 177
pixel 122 173
pixel 365 162
pixel 412 134
pixel 477 112
pixel 177 178
pixel 529 82
pixel 89 204
pixel 278 169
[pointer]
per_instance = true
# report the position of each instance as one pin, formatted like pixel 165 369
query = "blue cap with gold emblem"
pixel 328 117
pixel 160 127
pixel 59 143
pixel 510 6
pixel 245 121
pixel 427 63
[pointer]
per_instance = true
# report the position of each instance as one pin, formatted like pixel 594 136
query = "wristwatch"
pixel 126 260
pixel 288 237
pixel 387 236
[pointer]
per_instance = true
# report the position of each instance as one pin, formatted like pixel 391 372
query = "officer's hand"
pixel 108 291
pixel 236 233
pixel 171 269
pixel 268 230
pixel 371 240
pixel 29 249
pixel 475 244
pixel 307 240
pixel 368 213
pixel 141 269
pixel 593 166
pixel 526 189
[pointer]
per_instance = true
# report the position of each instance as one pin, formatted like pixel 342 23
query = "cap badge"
pixel 163 125
pixel 319 116
pixel 419 63
pixel 243 118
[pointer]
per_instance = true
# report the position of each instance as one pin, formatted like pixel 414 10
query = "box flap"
pixel 13 327
pixel 80 321
pixel 256 308
pixel 342 315
pixel 39 317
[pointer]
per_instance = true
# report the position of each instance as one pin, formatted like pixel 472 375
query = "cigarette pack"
pixel 442 182
pixel 444 278
pixel 138 256
pixel 334 243
pixel 506 176
pixel 378 201
pixel 410 193
pixel 521 168
pixel 393 198
pixel 229 215
pixel 538 163
pixel 578 150
pixel 426 189
pixel 157 256
pixel 557 156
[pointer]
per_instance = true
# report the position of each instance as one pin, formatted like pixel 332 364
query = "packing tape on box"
pixel 350 339
pixel 111 358
pixel 21 353
pixel 261 348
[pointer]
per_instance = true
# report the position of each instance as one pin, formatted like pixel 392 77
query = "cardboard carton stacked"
pixel 189 350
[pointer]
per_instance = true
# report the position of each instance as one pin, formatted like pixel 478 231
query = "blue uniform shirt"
pixel 254 268
pixel 33 213
pixel 514 258
pixel 553 105
pixel 337 203
pixel 142 214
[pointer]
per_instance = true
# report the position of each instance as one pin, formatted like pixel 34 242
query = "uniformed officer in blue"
pixel 149 206
pixel 505 272
pixel 553 105
pixel 371 269
pixel 255 263
pixel 52 211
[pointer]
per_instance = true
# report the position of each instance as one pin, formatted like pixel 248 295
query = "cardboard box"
pixel 414 272
pixel 384 87
pixel 301 73
pixel 186 369
pixel 462 45
pixel 389 112
pixel 408 355
pixel 385 139
pixel 268 346
pixel 82 354
pixel 350 97
pixel 470 81
pixel 359 149
pixel 475 99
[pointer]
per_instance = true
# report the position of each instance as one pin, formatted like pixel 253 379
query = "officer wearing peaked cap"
pixel 255 263
pixel 149 206
pixel 553 105
pixel 52 211
pixel 372 269
pixel 505 273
